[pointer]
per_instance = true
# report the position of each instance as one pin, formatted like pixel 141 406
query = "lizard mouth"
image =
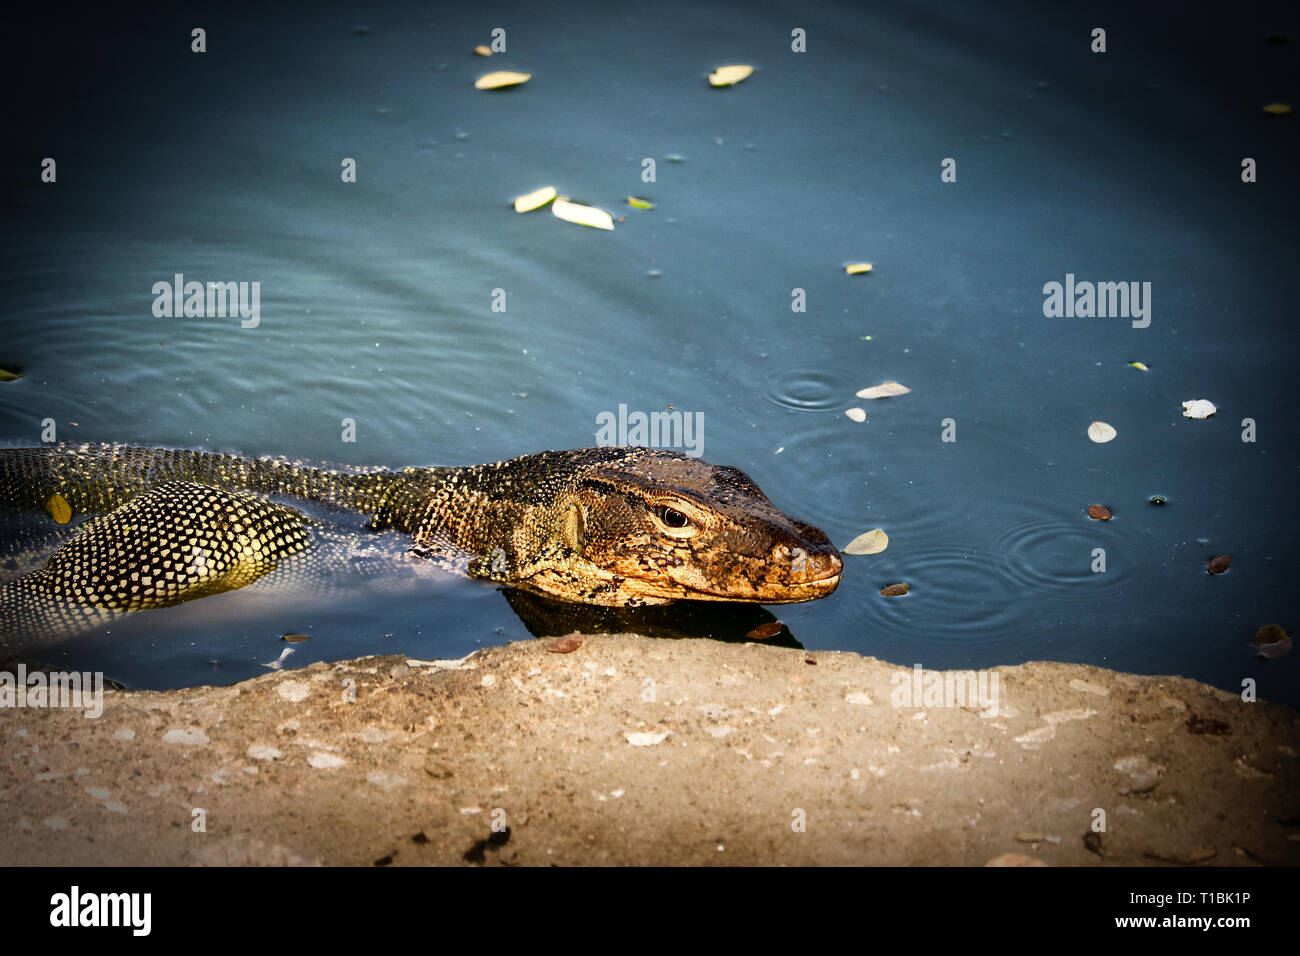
pixel 807 590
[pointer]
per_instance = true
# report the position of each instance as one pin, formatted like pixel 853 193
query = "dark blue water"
pixel 377 296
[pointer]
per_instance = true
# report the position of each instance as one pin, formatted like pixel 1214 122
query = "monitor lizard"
pixel 612 526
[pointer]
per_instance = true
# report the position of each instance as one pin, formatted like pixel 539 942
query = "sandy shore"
pixel 630 750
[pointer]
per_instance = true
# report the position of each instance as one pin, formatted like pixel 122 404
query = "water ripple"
pixel 811 388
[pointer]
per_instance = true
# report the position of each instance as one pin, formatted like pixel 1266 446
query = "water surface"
pixel 376 296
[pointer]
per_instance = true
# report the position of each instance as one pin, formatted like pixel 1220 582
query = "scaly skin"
pixel 621 527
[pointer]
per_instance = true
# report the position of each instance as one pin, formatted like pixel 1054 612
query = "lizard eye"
pixel 672 517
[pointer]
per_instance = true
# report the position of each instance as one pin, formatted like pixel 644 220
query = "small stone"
pixel 1026 836
pixel 645 739
pixel 325 761
pixel 386 779
pixel 125 733
pixel 190 737
pixel 264 752
pixel 294 690
pixel 56 823
pixel 99 793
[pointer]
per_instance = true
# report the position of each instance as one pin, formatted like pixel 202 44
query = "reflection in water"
pixel 719 621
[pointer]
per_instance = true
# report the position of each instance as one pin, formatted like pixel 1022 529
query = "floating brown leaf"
pixel 567 644
pixel 1205 725
pixel 295 638
pixel 764 631
pixel 1271 641
pixel 1219 564
pixel 1100 512
pixel 893 590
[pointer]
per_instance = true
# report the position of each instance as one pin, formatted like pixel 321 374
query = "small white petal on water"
pixel 1101 433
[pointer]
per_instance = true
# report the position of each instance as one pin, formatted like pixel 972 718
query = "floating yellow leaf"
pixel 636 203
pixel 1139 366
pixel 869 542
pixel 7 376
pixel 857 268
pixel 1101 433
pixel 59 508
pixel 535 199
pixel 857 414
pixel 500 79
pixel 481 50
pixel 582 215
pixel 884 390
pixel 729 75
pixel 1278 109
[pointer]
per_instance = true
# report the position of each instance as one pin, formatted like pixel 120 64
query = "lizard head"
pixel 643 526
